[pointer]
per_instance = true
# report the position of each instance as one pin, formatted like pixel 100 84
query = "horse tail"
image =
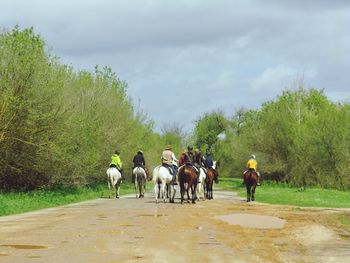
pixel 155 175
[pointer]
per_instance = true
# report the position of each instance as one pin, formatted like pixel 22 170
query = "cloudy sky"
pixel 186 57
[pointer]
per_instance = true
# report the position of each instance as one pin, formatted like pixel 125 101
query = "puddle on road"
pixel 253 221
pixel 23 246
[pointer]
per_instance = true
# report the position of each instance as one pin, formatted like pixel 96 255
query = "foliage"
pixel 208 128
pixel 60 127
pixel 300 138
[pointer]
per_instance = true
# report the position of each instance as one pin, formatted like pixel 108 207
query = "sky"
pixel 184 58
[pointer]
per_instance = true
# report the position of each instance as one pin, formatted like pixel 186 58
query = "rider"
pixel 182 158
pixel 198 158
pixel 116 162
pixel 168 160
pixel 139 161
pixel 208 159
pixel 175 167
pixel 209 163
pixel 252 165
pixel 190 158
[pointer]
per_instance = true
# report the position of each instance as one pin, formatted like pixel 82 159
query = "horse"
pixel 188 179
pixel 162 179
pixel 201 184
pixel 250 180
pixel 140 176
pixel 114 180
pixel 212 176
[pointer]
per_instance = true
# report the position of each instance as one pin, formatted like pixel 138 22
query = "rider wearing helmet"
pixel 168 160
pixel 198 158
pixel 189 156
pixel 252 165
pixel 208 159
pixel 139 161
pixel 116 162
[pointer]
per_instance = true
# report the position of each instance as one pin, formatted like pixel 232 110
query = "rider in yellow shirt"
pixel 116 162
pixel 252 165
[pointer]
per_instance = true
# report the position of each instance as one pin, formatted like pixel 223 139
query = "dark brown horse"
pixel 250 179
pixel 212 176
pixel 188 178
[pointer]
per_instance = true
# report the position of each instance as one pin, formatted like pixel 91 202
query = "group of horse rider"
pixel 187 157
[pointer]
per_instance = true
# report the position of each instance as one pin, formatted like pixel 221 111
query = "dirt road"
pixel 225 229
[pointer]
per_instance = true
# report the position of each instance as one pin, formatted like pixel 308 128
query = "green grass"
pixel 19 202
pixel 283 194
pixel 14 203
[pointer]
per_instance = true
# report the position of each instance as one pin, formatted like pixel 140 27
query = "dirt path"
pixel 138 230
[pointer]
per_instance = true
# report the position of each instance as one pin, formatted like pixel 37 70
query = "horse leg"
pixel 248 193
pixel 141 188
pixel 169 193
pixel 156 192
pixel 182 192
pixel 253 193
pixel 109 188
pixel 188 194
pixel 163 192
pixel 135 185
pixel 144 181
pixel 209 191
pixel 193 191
pixel 116 190
pixel 173 197
pixel 198 191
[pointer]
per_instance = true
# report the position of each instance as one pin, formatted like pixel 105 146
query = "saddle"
pixel 169 169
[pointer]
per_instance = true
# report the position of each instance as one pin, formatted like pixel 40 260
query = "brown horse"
pixel 212 176
pixel 188 179
pixel 250 179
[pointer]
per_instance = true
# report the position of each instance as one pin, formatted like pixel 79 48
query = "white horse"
pixel 161 179
pixel 201 183
pixel 114 180
pixel 140 177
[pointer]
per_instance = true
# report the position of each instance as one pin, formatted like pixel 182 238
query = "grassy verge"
pixel 14 203
pixel 273 193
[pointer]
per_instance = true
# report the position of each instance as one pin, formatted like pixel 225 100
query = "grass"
pixel 272 193
pixel 283 194
pixel 19 202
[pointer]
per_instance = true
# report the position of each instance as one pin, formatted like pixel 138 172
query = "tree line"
pixel 301 138
pixel 59 126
